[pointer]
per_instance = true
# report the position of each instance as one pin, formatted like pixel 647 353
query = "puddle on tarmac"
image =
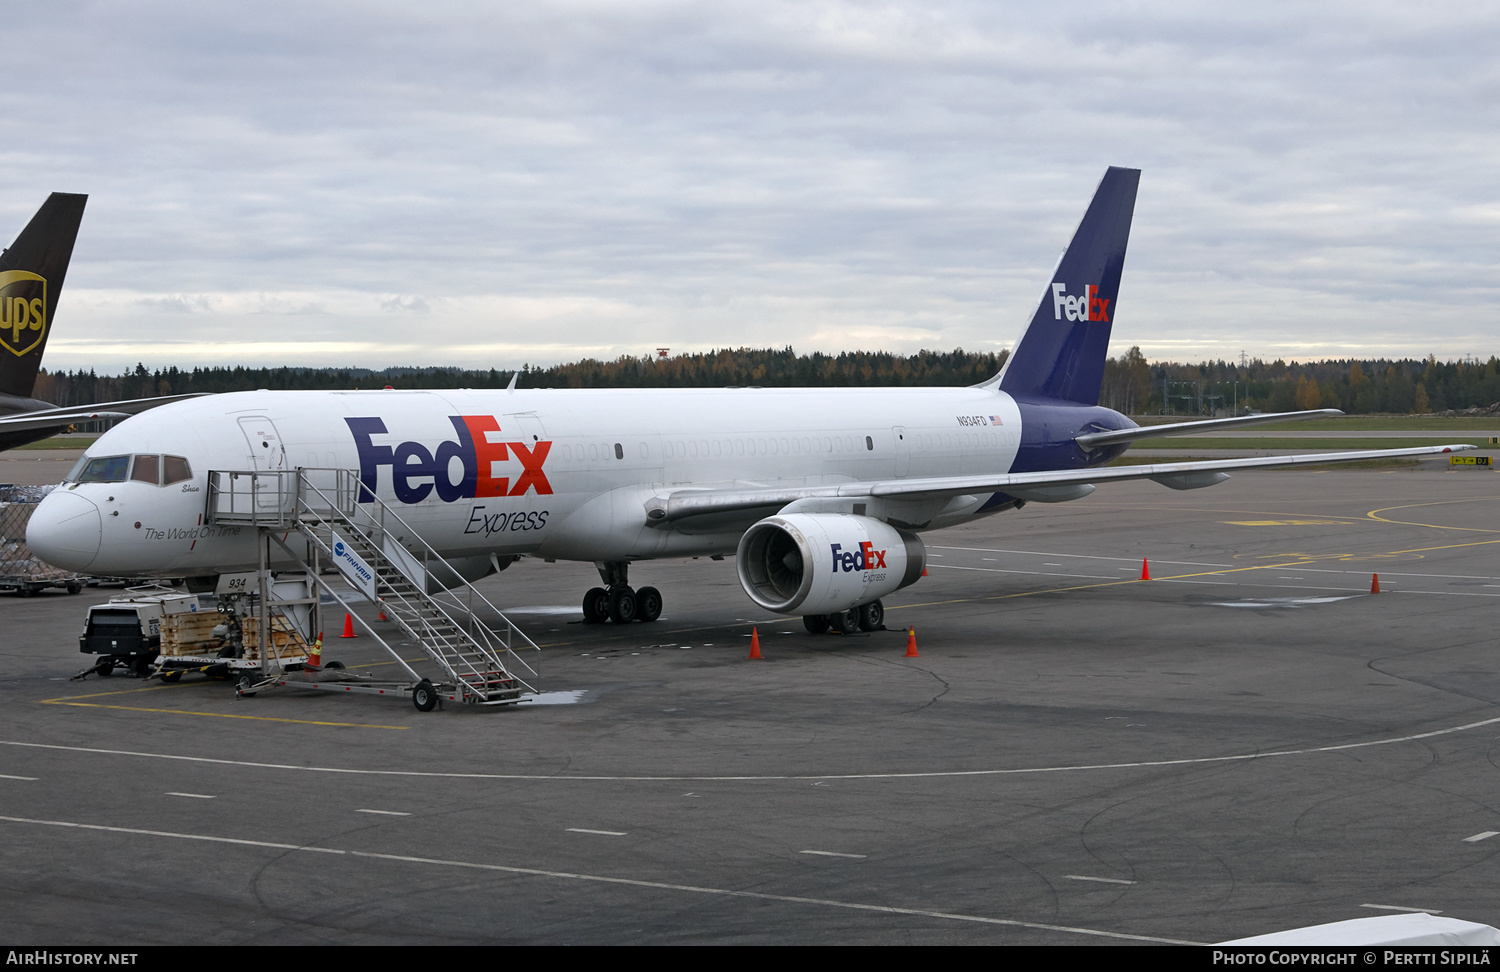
pixel 1283 602
pixel 567 697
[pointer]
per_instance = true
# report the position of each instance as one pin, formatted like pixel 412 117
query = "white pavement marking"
pixel 1478 837
pixel 386 813
pixel 601 833
pixel 1031 573
pixel 195 796
pixel 628 882
pixel 1419 911
pixel 859 857
pixel 1054 553
pixel 1448 593
pixel 1084 877
pixel 1194 563
pixel 172 835
pixel 929 774
pixel 29 779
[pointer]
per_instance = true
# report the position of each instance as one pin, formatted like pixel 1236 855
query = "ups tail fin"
pixel 31 278
pixel 1062 353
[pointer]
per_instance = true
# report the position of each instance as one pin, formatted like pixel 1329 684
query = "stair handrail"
pixel 345 490
pixel 411 616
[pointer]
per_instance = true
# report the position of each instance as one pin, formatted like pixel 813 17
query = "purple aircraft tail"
pixel 1061 355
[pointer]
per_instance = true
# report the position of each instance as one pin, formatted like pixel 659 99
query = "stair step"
pixel 469 659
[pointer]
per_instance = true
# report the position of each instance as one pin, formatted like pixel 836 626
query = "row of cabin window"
pixel 956 440
pixel 693 448
pixel 156 470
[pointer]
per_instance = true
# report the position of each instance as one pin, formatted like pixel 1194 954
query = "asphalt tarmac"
pixel 1249 741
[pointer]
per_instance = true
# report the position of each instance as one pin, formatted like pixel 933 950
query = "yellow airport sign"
pixel 1469 461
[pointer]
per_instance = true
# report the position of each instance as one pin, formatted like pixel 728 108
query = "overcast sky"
pixel 487 184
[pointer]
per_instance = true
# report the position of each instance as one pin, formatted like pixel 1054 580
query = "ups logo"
pixel 23 310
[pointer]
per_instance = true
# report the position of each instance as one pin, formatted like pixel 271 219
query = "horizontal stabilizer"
pixel 1094 440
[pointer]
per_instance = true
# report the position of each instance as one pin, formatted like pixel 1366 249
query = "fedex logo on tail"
pixel 1089 306
pixel 416 471
pixel 865 558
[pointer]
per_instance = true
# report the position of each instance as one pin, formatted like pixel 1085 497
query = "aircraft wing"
pixel 1043 486
pixel 1093 440
pixel 62 417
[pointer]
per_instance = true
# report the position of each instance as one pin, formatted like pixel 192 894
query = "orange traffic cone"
pixel 911 644
pixel 924 571
pixel 348 627
pixel 382 616
pixel 1374 583
pixel 315 656
pixel 754 643
pixel 1145 570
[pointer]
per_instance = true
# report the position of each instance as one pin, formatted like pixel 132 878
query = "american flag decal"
pixel 995 420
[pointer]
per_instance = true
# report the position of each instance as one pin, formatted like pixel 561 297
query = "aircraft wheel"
pixel 845 622
pixel 75 588
pixel 596 605
pixel 424 696
pixel 815 623
pixel 872 616
pixel 622 605
pixel 647 604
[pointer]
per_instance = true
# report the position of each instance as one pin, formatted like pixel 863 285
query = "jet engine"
pixel 821 563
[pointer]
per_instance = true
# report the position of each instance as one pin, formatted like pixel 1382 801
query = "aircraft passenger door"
pixel 528 424
pixel 903 450
pixel 267 454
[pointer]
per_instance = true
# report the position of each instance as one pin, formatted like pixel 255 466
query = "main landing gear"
pixel 866 617
pixel 616 601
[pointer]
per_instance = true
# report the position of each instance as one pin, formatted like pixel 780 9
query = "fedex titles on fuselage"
pixel 474 451
pixel 476 455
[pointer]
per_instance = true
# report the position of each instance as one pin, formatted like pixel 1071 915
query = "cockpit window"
pixel 176 470
pixel 147 469
pixel 156 470
pixel 104 469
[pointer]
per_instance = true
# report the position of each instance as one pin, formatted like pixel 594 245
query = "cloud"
pixel 825 174
pixel 403 304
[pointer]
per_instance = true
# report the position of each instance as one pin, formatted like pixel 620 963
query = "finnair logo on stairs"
pixel 353 566
pixel 1088 307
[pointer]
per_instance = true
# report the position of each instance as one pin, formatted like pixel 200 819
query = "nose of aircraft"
pixel 64 530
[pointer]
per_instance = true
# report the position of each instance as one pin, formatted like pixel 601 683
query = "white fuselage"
pixel 562 474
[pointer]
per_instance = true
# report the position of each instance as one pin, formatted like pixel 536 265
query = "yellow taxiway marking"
pixel 1118 583
pixel 1289 522
pixel 1374 515
pixel 1303 560
pixel 73 700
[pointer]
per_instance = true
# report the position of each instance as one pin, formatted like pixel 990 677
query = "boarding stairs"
pixel 390 564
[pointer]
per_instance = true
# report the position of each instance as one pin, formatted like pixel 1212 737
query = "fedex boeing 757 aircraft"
pixel 821 494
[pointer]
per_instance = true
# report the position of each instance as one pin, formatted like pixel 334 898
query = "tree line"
pixel 1379 385
pixel 1131 383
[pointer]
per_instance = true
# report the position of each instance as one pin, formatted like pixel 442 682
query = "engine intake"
pixel 819 563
